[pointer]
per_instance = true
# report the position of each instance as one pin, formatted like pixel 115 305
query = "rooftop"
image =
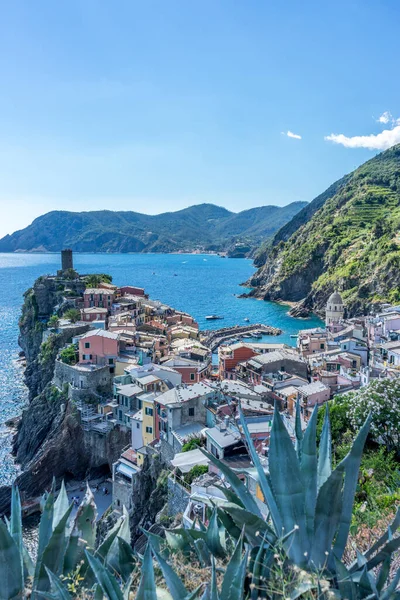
pixel 100 333
pixel 274 356
pixel 224 438
pixel 129 390
pixel 183 393
pixel 313 388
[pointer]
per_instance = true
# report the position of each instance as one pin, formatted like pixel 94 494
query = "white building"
pixel 334 309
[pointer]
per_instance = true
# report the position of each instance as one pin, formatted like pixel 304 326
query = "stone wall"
pixel 166 451
pixel 178 497
pixel 83 380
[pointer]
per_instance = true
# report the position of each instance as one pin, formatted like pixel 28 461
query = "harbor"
pixel 213 338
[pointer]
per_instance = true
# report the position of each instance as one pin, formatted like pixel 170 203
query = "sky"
pixel 157 105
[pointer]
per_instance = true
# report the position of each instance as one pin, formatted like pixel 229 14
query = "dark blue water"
pixel 200 285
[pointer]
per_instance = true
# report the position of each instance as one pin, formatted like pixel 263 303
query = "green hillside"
pixel 350 243
pixel 203 227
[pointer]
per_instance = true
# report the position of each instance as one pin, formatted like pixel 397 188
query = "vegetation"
pixel 295 553
pixel 53 322
pixel 193 443
pixel 93 281
pixel 72 314
pixel 350 242
pixel 204 226
pixel 68 355
pixel 377 494
pixel 195 472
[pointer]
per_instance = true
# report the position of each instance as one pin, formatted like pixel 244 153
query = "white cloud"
pixel 385 118
pixel 290 134
pixel 381 141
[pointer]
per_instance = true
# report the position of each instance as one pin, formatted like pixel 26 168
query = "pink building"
pixel 99 347
pixel 132 290
pixel 101 298
pixel 93 314
pixel 192 371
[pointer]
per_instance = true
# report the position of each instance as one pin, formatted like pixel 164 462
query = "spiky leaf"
pixel 11 581
pixel 325 450
pixel 147 586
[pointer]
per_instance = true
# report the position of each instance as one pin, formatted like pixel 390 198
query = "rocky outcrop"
pixel 346 239
pixel 50 441
pixel 150 493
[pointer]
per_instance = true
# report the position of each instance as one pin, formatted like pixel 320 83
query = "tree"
pixel 53 322
pixel 94 280
pixel 72 314
pixel 195 472
pixel 68 355
pixel 381 398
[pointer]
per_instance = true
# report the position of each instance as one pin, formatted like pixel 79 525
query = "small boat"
pixel 213 317
pixel 246 319
pixel 294 335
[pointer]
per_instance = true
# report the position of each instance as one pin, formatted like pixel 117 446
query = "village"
pixel 141 368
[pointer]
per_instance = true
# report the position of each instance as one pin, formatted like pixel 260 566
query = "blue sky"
pixel 156 105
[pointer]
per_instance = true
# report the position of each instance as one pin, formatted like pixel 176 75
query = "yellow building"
pixel 148 425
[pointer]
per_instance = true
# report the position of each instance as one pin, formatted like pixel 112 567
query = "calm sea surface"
pixel 198 284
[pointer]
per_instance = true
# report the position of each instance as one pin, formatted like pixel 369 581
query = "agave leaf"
pixel 193 595
pixel 103 549
pixel 237 485
pixel 84 528
pixel 262 479
pixel 60 505
pixel 11 576
pixel 174 583
pixel 325 450
pixel 387 594
pixel 45 529
pixel 346 585
pixel 298 430
pixel 383 574
pixel 53 554
pixel 229 524
pixel 112 558
pixel 127 559
pixel 15 525
pixel 104 578
pixel 57 586
pixel 288 489
pixel 255 527
pixel 308 468
pixel 303 588
pixel 351 464
pixel 202 552
pixel 384 538
pixel 147 586
pixel 327 516
pixel 383 553
pixel 213 537
pixel 232 585
pixel 157 542
pixel 230 495
pixel 256 573
pixel 177 541
pixel 214 595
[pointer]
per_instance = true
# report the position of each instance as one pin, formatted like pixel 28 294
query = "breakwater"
pixel 213 338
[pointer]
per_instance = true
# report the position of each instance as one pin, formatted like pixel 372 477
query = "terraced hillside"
pixel 352 243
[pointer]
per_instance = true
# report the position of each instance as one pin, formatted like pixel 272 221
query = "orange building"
pixel 230 356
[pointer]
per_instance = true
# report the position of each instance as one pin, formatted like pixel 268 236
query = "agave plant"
pixel 242 553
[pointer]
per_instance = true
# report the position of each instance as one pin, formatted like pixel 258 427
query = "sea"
pixel 195 283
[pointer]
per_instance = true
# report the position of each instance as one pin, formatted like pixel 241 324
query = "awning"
pixel 186 460
pixel 125 470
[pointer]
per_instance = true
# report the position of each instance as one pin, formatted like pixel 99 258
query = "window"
pixel 87 344
pixel 191 376
pixel 322 346
pixel 149 430
pixel 137 425
pixel 191 411
pixel 120 415
pixel 118 502
pixel 110 361
pixel 149 412
pixel 100 296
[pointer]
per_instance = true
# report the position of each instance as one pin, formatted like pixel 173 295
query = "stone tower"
pixel 66 259
pixel 334 309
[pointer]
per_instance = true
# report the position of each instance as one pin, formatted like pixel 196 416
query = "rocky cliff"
pixel 50 441
pixel 347 239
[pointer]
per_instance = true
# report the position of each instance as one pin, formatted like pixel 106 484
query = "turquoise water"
pixel 198 284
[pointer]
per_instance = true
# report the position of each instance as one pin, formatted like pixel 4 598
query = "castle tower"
pixel 66 260
pixel 334 309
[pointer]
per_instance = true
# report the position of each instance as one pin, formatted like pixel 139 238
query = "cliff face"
pixel 50 441
pixel 350 243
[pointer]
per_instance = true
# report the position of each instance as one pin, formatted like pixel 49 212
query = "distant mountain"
pixel 200 227
pixel 348 239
